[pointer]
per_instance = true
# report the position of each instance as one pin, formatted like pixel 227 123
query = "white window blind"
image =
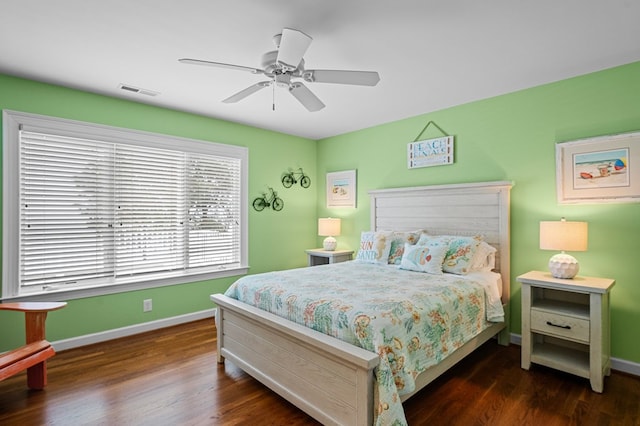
pixel 96 213
pixel 149 209
pixel 213 202
pixel 65 210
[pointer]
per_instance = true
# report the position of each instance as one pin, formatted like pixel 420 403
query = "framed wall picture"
pixel 341 189
pixel 599 170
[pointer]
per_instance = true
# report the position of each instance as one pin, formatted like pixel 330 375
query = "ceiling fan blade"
pixel 306 97
pixel 246 92
pixel 360 78
pixel 220 65
pixel 293 45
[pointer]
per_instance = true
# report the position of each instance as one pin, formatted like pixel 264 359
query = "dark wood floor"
pixel 170 377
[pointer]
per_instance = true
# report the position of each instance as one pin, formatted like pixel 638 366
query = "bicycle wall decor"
pixel 268 200
pixel 292 177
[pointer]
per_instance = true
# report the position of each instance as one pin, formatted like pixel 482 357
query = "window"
pixel 91 209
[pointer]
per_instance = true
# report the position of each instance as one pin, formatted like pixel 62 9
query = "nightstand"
pixel 322 257
pixel 565 324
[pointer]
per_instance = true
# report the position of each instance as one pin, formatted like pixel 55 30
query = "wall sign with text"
pixel 430 152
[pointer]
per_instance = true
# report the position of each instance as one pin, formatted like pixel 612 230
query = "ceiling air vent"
pixel 138 90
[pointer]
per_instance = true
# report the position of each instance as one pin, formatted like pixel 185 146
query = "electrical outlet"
pixel 147 305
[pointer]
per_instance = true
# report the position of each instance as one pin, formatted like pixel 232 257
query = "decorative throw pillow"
pixel 396 249
pixel 460 253
pixel 374 247
pixel 484 258
pixel 424 258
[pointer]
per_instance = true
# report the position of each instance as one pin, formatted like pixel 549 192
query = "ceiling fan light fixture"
pixel 283 80
pixel 285 67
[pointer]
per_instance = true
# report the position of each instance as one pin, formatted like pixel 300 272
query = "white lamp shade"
pixel 563 235
pixel 329 227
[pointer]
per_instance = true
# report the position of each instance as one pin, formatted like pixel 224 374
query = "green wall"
pixel 513 137
pixel 510 137
pixel 277 240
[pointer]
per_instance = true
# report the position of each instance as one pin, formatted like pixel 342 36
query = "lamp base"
pixel 564 266
pixel 329 244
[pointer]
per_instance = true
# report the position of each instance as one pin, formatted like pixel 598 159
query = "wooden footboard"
pixel 330 380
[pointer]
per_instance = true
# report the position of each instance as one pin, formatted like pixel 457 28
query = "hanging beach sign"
pixel 430 152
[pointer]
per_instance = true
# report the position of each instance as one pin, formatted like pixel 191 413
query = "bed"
pixel 335 381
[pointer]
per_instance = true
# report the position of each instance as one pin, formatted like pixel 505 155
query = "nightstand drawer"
pixel 553 324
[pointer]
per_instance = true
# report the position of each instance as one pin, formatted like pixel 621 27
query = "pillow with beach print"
pixel 460 253
pixel 396 248
pixel 427 257
pixel 374 247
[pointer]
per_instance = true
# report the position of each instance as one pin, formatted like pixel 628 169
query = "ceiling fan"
pixel 285 68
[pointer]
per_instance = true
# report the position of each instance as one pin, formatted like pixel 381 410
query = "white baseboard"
pixel 617 364
pixel 625 366
pixel 516 339
pixel 103 336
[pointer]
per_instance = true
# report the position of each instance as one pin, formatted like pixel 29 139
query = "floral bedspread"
pixel 412 320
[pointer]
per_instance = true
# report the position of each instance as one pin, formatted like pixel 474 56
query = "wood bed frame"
pixel 331 380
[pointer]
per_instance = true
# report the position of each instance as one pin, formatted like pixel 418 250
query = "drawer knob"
pixel 566 327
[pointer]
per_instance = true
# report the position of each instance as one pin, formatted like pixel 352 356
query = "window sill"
pixel 65 294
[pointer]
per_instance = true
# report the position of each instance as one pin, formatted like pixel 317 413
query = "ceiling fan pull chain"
pixel 273 96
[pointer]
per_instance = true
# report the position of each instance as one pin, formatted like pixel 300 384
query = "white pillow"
pixel 484 259
pixel 424 258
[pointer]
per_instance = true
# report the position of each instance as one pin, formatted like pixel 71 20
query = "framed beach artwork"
pixel 599 170
pixel 341 189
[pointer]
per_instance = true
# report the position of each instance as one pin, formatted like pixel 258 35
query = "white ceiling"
pixel 431 54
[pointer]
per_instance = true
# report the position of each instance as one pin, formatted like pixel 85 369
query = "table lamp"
pixel 563 235
pixel 329 227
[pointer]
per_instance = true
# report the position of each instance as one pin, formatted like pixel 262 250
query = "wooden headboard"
pixel 458 209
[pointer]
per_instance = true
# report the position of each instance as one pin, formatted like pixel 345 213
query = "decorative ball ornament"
pixel 564 266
